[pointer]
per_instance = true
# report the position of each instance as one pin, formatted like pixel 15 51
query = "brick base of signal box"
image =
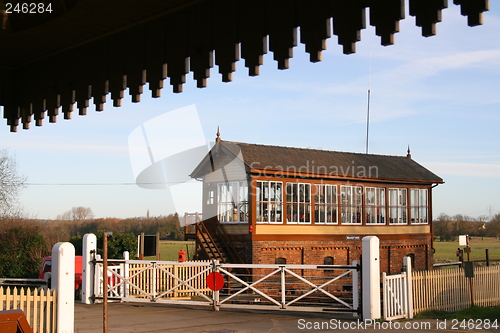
pixel 343 252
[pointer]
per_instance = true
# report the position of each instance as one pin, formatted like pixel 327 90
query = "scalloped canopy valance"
pixel 82 50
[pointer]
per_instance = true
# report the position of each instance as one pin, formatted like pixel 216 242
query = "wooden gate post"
pixel 126 273
pixel 88 255
pixel 409 285
pixel 63 280
pixel 370 277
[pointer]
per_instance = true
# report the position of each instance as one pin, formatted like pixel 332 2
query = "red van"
pixel 46 269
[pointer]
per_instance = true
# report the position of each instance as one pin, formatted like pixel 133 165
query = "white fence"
pixel 449 289
pixel 47 311
pixel 439 289
pixel 38 305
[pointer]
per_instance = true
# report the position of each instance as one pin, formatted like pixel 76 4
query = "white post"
pixel 63 280
pixel 409 285
pixel 88 252
pixel 371 277
pixel 98 287
pixel 215 293
pixel 126 273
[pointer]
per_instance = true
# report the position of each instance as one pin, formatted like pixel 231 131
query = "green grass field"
pixel 169 250
pixel 446 251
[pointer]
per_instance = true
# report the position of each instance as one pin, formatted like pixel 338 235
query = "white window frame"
pixel 375 205
pixel 270 209
pixel 210 197
pixel 351 205
pixel 232 202
pixel 398 206
pixel 300 204
pixel 325 204
pixel 419 206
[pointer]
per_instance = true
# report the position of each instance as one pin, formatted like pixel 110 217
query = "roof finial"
pixel 409 154
pixel 217 139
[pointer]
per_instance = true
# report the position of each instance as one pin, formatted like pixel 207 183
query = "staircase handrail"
pixel 228 243
pixel 201 232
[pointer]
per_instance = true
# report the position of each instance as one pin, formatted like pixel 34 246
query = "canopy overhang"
pixel 85 49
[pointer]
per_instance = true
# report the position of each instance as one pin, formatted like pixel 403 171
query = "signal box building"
pixel 270 204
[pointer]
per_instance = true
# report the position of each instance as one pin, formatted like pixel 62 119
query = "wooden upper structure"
pixel 83 50
pixel 259 184
pixel 273 197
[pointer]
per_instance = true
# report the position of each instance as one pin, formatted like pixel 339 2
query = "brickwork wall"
pixel 244 249
pixel 343 252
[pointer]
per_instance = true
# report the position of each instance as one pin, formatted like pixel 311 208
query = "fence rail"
pixel 449 290
pixel 39 306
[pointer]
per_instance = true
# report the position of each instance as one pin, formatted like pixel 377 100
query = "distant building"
pixel 271 204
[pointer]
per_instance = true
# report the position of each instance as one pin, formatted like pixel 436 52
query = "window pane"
pixel 397 206
pixel 273 191
pixel 289 192
pixel 298 203
pixel 269 205
pixel 375 205
pixel 423 197
pixel 423 215
pixel 370 196
pixel 402 196
pixel 325 209
pixel 418 206
pixel 351 204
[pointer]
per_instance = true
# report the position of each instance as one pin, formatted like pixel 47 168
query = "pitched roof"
pixel 320 163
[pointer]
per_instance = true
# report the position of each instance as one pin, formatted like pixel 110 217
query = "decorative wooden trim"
pixel 337 238
pixel 278 174
pixel 187 36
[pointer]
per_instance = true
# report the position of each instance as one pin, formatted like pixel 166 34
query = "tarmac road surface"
pixel 154 317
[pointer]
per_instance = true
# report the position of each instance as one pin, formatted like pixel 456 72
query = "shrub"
pixel 21 251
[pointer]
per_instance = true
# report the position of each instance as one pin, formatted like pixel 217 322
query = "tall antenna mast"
pixel 368 107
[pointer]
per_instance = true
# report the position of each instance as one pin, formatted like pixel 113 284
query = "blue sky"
pixel 440 95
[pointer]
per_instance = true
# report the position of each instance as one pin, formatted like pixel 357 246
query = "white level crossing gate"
pixel 283 287
pixel 398 296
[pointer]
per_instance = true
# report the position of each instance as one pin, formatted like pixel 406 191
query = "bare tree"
pixel 493 227
pixel 77 214
pixel 81 213
pixel 66 216
pixel 11 183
